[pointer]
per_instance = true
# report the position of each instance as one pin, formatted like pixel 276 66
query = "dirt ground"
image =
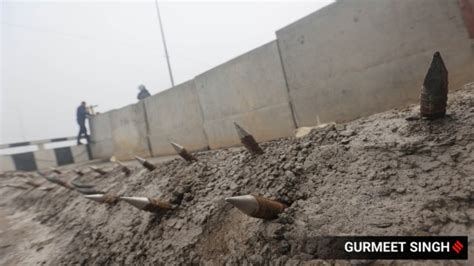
pixel 387 174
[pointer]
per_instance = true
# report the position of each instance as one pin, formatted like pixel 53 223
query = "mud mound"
pixel 387 174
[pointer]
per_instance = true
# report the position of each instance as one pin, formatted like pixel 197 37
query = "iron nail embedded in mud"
pixel 257 207
pixel 183 152
pixel 147 204
pixel 248 140
pixel 434 93
pixel 146 163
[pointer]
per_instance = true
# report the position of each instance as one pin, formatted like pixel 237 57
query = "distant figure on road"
pixel 81 115
pixel 143 93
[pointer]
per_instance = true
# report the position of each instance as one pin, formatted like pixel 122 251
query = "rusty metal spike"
pixel 248 140
pixel 103 198
pixel 183 152
pixel 57 171
pixel 80 185
pixel 147 204
pixel 98 170
pixel 258 207
pixel 434 93
pixel 125 169
pixel 78 172
pixel 146 163
pixel 88 191
pixel 58 182
pixel 32 183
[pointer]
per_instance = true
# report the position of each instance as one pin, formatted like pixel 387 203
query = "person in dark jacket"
pixel 81 116
pixel 143 93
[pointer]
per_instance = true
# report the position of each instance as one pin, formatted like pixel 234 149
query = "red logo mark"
pixel 457 247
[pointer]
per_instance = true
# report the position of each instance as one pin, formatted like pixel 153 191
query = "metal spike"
pixel 183 152
pixel 46 188
pixel 32 183
pixel 147 204
pixel 248 140
pixel 434 93
pixel 81 185
pixel 98 170
pixel 258 207
pixel 58 181
pixel 79 172
pixel 103 198
pixel 57 171
pixel 146 163
pixel 88 191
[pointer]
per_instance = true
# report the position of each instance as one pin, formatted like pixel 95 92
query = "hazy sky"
pixel 56 54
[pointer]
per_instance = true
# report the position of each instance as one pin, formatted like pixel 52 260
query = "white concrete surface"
pixel 175 115
pixel 45 159
pixel 250 90
pixel 355 58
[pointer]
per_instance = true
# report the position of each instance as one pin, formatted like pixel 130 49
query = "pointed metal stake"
pixel 57 171
pixel 58 182
pixel 80 185
pixel 88 191
pixel 258 207
pixel 146 163
pixel 98 170
pixel 248 140
pixel 103 198
pixel 434 93
pixel 183 152
pixel 147 204
pixel 78 172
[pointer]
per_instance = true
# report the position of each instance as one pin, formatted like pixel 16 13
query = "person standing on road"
pixel 81 116
pixel 143 93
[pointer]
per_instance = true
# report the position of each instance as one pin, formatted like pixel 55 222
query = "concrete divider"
pixel 45 159
pixel 102 146
pixel 355 58
pixel 6 163
pixel 250 90
pixel 129 132
pixel 176 115
pixel 79 154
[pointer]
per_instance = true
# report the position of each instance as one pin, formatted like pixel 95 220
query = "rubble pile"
pixel 392 173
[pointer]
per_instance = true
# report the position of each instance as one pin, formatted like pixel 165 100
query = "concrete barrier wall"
pixel 101 136
pixel 6 163
pixel 129 132
pixel 45 159
pixel 176 115
pixel 250 90
pixel 355 58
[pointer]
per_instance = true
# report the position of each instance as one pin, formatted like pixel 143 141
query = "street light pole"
pixel 164 43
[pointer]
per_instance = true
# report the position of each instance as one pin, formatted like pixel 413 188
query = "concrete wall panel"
pixel 246 89
pixel 79 153
pixel 45 159
pixel 101 136
pixel 6 163
pixel 176 115
pixel 354 58
pixel 129 135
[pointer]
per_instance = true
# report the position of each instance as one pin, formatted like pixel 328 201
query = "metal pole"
pixel 164 43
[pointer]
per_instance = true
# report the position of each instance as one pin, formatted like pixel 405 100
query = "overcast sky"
pixel 56 54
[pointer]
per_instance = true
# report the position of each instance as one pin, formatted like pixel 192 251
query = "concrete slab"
pixel 128 129
pixel 175 114
pixel 45 159
pixel 101 136
pixel 79 153
pixel 246 89
pixel 6 163
pixel 354 58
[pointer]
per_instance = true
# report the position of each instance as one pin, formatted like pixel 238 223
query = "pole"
pixel 164 43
